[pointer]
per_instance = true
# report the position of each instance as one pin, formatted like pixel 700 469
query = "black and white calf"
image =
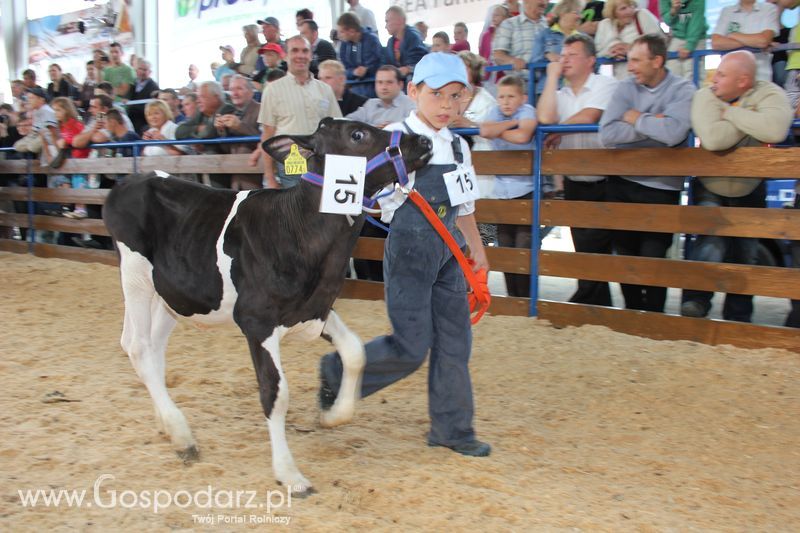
pixel 267 259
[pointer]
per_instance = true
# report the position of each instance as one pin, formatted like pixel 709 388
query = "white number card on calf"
pixel 343 187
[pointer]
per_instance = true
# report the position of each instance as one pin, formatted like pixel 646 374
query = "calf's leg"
pixel 351 351
pixel 274 394
pixel 147 329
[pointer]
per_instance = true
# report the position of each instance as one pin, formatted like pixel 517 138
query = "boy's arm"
pixel 523 134
pixel 493 130
pixel 469 228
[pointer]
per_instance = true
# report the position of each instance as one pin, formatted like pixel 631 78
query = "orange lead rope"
pixel 479 298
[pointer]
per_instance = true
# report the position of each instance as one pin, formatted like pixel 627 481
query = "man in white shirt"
pixel 292 105
pixel 391 105
pixel 366 16
pixel 748 24
pixel 582 100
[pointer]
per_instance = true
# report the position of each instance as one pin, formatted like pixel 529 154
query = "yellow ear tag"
pixel 295 163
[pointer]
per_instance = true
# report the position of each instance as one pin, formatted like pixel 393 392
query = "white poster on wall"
pixel 443 13
pixel 191 31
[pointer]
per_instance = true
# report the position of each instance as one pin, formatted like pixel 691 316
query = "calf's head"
pixel 347 137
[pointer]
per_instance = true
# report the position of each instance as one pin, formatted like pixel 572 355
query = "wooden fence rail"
pixel 743 162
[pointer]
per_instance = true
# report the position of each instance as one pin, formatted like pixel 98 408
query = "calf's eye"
pixel 357 135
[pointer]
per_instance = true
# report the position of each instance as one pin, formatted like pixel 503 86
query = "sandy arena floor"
pixel 592 430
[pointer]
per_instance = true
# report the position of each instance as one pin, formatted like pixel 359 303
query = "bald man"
pixel 736 110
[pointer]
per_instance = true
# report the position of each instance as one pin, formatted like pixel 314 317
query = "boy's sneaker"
pixel 473 448
pixel 327 396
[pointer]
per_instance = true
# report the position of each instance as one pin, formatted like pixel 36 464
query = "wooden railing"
pixel 743 162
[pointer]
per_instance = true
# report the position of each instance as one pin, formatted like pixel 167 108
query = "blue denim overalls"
pixel 426 302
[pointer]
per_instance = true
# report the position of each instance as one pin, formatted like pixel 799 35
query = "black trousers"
pixel 641 243
pixel 513 236
pixel 589 240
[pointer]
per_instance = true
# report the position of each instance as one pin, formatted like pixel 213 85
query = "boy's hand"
pixel 480 261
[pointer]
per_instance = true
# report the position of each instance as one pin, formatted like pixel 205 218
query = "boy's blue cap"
pixel 437 69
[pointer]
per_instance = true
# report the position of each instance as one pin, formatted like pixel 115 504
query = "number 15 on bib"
pixel 343 187
pixel 462 186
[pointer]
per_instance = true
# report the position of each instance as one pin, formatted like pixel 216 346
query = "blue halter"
pixel 392 154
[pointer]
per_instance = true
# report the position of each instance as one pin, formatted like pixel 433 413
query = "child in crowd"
pixel 511 125
pixel 460 33
pixel 69 126
pixel 425 288
pixel 440 42
pixel 271 54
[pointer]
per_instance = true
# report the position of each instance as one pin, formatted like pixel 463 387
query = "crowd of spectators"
pixel 276 86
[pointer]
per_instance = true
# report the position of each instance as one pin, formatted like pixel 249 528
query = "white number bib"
pixel 343 187
pixel 462 186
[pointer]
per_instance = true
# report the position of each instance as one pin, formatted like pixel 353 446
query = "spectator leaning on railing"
pixel 210 104
pixel 748 23
pixel 161 128
pixel 736 110
pixel 566 16
pixel 687 23
pixel 404 48
pixel 510 126
pixel 649 109
pixel 360 52
pixel 515 37
pixel 624 23
pixel 391 105
pixel 581 100
pixel 332 72
pixel 242 122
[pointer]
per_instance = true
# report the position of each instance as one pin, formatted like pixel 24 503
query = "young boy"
pixel 460 33
pixel 510 126
pixel 425 288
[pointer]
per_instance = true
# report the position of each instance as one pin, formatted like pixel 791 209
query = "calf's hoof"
pixel 189 455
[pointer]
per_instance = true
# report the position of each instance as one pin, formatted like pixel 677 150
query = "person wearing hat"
pixel 271 29
pixel 271 55
pixel 228 68
pixel 43 120
pixel 426 295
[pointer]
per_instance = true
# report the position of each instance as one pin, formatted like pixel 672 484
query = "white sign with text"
pixel 343 187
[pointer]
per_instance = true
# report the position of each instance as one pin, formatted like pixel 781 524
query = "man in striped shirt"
pixel 293 105
pixel 514 38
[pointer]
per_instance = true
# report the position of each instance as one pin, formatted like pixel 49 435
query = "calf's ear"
pixel 279 147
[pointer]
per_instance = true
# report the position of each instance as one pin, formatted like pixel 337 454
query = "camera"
pixel 101 116
pixel 3 119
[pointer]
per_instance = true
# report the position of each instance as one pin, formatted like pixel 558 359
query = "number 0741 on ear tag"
pixel 343 187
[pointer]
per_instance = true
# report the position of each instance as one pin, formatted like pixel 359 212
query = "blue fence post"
pixel 536 245
pixel 135 158
pixel 31 206
pixel 696 68
pixel 531 84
